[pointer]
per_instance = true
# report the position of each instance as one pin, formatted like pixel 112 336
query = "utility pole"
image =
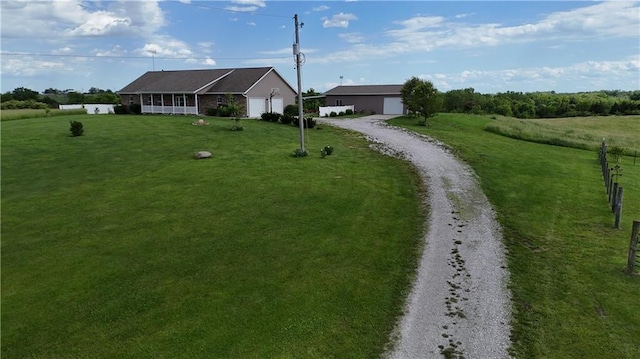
pixel 296 53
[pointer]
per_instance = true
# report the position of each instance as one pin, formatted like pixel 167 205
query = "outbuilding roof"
pixel 216 81
pixel 365 90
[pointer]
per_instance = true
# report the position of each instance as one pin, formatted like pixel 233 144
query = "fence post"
pixel 633 247
pixel 618 207
pixel 613 197
pixel 607 179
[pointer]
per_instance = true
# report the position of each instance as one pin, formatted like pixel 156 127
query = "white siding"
pixel 256 106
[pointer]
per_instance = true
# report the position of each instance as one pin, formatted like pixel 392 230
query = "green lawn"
pixel 571 298
pixel 119 244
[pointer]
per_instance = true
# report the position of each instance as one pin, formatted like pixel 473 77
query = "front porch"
pixel 173 110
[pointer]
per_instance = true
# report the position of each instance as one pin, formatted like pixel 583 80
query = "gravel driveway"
pixel 459 305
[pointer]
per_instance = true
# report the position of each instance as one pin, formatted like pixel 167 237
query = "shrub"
pixel 76 128
pixel 121 110
pixel 286 119
pixel 348 112
pixel 300 153
pixel 326 151
pixel 135 108
pixel 210 111
pixel 333 114
pixel 291 110
pixel 341 113
pixel 309 122
pixel 270 116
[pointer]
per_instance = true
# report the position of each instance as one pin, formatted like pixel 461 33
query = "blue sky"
pixel 492 46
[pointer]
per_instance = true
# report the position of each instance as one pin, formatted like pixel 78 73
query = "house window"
pixel 179 101
pixel 149 99
pixel 130 99
pixel 219 100
pixel 339 102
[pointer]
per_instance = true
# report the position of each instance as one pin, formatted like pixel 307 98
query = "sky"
pixel 491 46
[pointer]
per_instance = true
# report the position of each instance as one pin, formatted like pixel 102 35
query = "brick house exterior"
pixel 257 90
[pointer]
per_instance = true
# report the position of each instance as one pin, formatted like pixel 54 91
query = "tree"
pixel 421 97
pixel 24 94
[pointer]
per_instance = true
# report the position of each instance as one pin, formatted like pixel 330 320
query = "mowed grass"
pixel 571 298
pixel 577 132
pixel 119 244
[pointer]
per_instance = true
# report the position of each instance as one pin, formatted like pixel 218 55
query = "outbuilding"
pixel 373 99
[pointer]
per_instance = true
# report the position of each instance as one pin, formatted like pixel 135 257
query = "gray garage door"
pixel 392 106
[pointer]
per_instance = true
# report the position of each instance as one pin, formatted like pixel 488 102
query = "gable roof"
pixel 215 81
pixel 365 90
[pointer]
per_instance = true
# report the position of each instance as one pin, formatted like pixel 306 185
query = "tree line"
pixel 421 97
pixel 23 97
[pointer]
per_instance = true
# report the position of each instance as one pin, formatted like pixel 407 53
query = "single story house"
pixel 257 90
pixel 378 99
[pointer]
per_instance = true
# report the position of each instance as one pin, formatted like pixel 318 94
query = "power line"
pixel 9 53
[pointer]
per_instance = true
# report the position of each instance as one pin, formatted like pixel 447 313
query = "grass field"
pixel 577 132
pixel 118 244
pixel 11 115
pixel 571 297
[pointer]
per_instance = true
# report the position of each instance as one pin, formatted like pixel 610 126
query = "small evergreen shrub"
pixel 348 112
pixel 210 111
pixel 270 116
pixel 135 108
pixel 121 110
pixel 326 151
pixel 333 114
pixel 309 122
pixel 291 110
pixel 341 113
pixel 286 119
pixel 76 128
pixel 300 153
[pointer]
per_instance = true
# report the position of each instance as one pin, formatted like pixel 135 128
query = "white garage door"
pixel 256 106
pixel 277 105
pixel 392 106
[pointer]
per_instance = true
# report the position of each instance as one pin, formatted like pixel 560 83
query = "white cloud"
pixel 352 37
pixel 338 20
pixel 165 46
pixel 321 8
pixel 610 74
pixel 115 51
pixel 209 61
pixel 52 19
pixel 246 5
pixel 251 23
pixel 28 66
pixel 421 34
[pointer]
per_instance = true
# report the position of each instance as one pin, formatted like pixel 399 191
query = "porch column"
pixel 196 95
pixel 151 96
pixel 162 102
pixel 173 103
pixel 184 103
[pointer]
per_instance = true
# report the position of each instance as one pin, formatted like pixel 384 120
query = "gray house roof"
pixel 362 90
pixel 214 81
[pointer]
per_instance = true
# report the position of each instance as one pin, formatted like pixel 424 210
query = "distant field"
pixel 578 132
pixel 10 115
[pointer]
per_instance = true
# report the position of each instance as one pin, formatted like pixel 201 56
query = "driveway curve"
pixel 459 305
